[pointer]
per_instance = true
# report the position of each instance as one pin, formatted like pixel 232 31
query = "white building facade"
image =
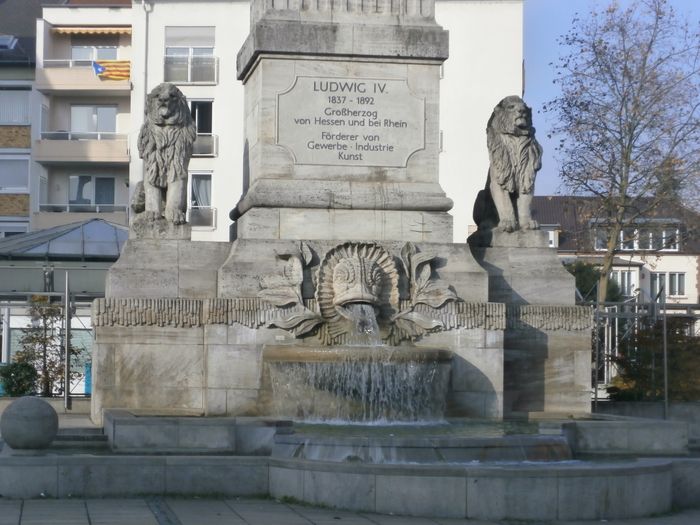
pixel 85 128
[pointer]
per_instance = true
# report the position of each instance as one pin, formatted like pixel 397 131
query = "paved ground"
pixel 234 512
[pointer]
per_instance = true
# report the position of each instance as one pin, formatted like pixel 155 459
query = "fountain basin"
pixel 531 491
pixel 433 450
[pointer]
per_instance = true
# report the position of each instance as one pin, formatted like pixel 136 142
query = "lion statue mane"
pixel 515 157
pixel 165 145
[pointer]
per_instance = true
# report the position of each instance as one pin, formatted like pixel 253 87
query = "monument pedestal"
pixel 547 341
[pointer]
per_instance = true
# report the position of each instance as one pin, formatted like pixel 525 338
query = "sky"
pixel 545 21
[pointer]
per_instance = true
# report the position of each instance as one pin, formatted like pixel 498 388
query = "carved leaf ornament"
pixel 284 292
pixel 423 289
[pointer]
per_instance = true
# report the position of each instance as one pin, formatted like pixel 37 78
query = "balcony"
pixel 76 77
pixel 191 69
pixel 56 147
pixel 205 145
pixel 202 216
pixel 51 215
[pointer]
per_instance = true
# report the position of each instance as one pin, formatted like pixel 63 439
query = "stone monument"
pixel 342 281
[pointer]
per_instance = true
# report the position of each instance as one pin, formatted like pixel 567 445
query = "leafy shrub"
pixel 640 364
pixel 18 379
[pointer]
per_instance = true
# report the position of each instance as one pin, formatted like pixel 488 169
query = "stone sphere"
pixel 29 423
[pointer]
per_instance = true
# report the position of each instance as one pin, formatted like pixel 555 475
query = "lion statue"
pixel 515 158
pixel 165 145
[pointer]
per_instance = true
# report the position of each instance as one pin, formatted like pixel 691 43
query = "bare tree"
pixel 42 345
pixel 628 114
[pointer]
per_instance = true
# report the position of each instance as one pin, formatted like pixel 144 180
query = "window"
pixel 672 283
pixel 88 48
pixel 14 106
pixel 676 284
pixel 205 143
pixel 658 282
pixel 625 280
pixel 670 239
pixel 601 239
pixel 90 53
pixel 201 113
pixel 89 122
pixel 189 55
pixel 14 175
pixel 627 239
pixel 201 212
pixel 87 191
pixel 646 238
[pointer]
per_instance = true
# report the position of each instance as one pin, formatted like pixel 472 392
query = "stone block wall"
pixel 14 204
pixel 15 137
pixel 207 357
pixel 547 354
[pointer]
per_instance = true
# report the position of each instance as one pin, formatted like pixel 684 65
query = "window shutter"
pixel 189 36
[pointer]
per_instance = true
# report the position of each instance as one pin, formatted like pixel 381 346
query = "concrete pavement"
pixel 238 511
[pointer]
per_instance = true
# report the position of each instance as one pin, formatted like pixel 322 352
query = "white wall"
pixel 231 20
pixel 485 65
pixel 87 16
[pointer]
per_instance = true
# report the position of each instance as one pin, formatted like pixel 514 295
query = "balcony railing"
pixel 65 62
pixel 202 216
pixel 83 208
pixel 192 69
pixel 82 135
pixel 205 145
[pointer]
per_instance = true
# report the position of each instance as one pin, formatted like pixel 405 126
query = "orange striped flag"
pixel 112 69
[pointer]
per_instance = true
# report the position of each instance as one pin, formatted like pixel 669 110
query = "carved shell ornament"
pixel 353 273
pixel 358 273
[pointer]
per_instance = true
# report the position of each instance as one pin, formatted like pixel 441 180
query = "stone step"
pixel 92 438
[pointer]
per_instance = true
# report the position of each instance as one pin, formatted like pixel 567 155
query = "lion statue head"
pixel 511 116
pixel 165 145
pixel 167 106
pixel 515 158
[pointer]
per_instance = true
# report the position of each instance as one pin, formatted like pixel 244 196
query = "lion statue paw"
pixel 175 216
pixel 508 225
pixel 152 216
pixel 530 225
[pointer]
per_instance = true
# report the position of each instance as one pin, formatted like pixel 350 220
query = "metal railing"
pixel 202 216
pixel 82 135
pixel 191 69
pixel 83 208
pixel 69 63
pixel 66 62
pixel 205 145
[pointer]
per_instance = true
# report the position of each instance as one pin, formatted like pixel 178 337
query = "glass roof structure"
pixel 95 239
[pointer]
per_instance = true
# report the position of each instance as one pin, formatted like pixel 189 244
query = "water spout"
pixel 363 319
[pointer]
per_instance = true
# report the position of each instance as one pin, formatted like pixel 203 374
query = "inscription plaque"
pixel 350 121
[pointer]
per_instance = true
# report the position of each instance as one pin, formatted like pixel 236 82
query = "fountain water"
pixel 362 381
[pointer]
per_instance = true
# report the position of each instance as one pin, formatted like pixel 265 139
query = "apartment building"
pixel 81 120
pixel 17 51
pixel 85 126
pixel 658 252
